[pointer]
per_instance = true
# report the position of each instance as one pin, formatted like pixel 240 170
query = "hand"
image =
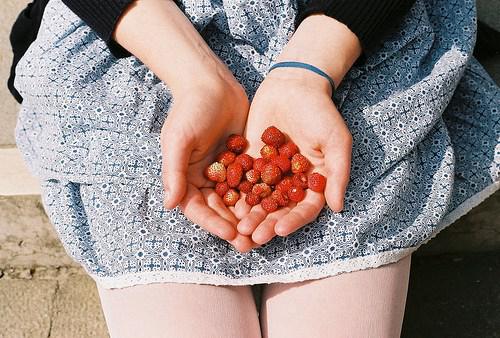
pixel 209 104
pixel 298 103
pixel 191 137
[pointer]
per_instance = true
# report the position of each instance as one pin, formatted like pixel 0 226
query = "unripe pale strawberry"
pixel 253 176
pixel 216 172
pixel 231 197
pixel 271 174
pixel 268 152
pixel 300 164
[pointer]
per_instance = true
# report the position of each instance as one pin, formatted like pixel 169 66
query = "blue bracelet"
pixel 304 65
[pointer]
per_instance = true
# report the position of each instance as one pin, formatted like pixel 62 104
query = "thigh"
pixel 365 303
pixel 177 310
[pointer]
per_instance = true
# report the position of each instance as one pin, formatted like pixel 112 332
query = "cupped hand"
pixel 298 102
pixel 193 134
pixel 209 104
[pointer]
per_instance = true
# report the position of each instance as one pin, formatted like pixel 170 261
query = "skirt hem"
pixel 327 270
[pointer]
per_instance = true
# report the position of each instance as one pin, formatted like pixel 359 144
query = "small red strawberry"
pixel 236 143
pixel 231 197
pixel 234 174
pixel 221 188
pixel 252 199
pixel 273 136
pixel 271 174
pixel 253 176
pixel 259 164
pixel 261 189
pixel 245 186
pixel 216 172
pixel 300 180
pixel 226 157
pixel 280 198
pixel 267 152
pixel 296 194
pixel 245 160
pixel 317 182
pixel 284 185
pixel 282 162
pixel 288 149
pixel 300 164
pixel 269 204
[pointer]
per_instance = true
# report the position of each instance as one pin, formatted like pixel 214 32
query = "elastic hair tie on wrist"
pixel 296 64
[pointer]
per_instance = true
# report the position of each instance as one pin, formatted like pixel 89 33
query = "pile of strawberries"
pixel 273 180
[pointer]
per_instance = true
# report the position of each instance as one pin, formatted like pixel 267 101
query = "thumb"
pixel 176 152
pixel 338 165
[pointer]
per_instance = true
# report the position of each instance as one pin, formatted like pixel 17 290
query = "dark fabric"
pixel 23 33
pixel 102 17
pixel 487 42
pixel 370 20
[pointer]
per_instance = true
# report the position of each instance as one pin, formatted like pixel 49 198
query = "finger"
pixel 338 165
pixel 242 209
pixel 304 212
pixel 196 209
pixel 265 230
pixel 248 224
pixel 175 159
pixel 214 202
pixel 242 243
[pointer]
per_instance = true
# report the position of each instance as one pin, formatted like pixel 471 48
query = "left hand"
pixel 298 102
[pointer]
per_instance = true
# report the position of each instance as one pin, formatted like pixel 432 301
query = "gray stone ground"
pixel 49 302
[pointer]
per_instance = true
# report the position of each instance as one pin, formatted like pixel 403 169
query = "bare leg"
pixel 365 303
pixel 165 310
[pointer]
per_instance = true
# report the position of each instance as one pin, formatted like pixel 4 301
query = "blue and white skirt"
pixel 423 113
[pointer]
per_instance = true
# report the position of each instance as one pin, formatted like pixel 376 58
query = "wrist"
pixel 209 74
pixel 212 85
pixel 159 34
pixel 299 77
pixel 334 48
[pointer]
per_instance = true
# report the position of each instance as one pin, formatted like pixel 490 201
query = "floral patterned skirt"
pixel 423 113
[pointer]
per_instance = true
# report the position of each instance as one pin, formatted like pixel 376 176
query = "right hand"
pixel 193 134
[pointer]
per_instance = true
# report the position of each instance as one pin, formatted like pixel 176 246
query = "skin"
pixel 299 103
pixel 295 100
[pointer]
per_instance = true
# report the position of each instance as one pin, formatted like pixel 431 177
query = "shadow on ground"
pixel 456 296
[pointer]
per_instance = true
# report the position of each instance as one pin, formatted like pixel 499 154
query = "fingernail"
pixel 166 194
pixel 280 231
